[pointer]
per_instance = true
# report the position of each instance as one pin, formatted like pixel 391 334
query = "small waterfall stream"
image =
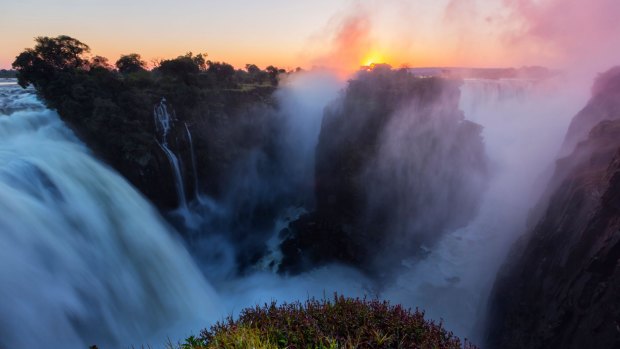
pixel 193 156
pixel 163 125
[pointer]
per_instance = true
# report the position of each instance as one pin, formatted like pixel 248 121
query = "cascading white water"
pixel 524 123
pixel 163 125
pixel 84 259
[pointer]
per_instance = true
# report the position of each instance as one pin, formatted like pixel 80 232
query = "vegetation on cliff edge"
pixel 110 107
pixel 339 323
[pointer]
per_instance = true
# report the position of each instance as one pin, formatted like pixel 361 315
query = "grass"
pixel 327 324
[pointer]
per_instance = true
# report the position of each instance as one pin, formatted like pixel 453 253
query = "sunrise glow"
pixel 317 33
pixel 373 57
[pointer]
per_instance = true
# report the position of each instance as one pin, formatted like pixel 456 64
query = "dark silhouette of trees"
pixel 252 69
pixel 48 57
pixel 221 72
pixel 273 73
pixel 7 73
pixel 99 62
pixel 255 74
pixel 199 60
pixel 183 67
pixel 131 63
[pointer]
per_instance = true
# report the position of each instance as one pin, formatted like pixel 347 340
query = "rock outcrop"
pixel 396 165
pixel 560 286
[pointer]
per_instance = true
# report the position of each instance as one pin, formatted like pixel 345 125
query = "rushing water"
pixel 84 258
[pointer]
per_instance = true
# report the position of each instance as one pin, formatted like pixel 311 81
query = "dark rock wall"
pixel 560 286
pixel 386 147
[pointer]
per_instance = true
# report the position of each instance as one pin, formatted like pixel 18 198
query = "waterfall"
pixel 193 156
pixel 84 259
pixel 163 125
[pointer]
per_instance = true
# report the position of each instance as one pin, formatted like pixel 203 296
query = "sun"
pixel 372 57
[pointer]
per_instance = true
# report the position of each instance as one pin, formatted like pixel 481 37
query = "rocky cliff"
pixel 560 286
pixel 396 166
pixel 227 113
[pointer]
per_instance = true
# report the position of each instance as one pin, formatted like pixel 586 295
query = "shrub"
pixel 339 323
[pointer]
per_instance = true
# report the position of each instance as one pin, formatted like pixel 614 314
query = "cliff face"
pixel 560 286
pixel 396 166
pixel 113 115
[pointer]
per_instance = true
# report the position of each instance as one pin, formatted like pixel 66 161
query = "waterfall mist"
pixel 120 277
pixel 427 175
pixel 523 123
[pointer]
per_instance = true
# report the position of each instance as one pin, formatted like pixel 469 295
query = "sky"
pixel 339 33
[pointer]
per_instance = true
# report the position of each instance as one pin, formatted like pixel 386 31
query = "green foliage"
pixel 236 337
pixel 193 343
pixel 339 323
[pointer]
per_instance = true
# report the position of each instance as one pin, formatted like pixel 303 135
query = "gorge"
pixel 278 185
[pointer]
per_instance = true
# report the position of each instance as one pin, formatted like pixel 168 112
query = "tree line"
pixel 64 53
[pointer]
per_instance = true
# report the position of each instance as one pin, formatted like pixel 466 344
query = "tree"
pixel 273 73
pixel 99 62
pixel 199 60
pixel 256 75
pixel 49 56
pixel 183 66
pixel 131 63
pixel 222 72
pixel 252 69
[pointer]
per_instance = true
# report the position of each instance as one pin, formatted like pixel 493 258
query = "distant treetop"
pixel 131 63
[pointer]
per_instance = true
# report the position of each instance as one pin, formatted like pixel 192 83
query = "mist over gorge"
pixel 412 175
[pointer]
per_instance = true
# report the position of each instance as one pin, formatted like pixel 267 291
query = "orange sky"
pixel 343 34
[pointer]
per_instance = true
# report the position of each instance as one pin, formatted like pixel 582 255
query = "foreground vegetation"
pixel 339 323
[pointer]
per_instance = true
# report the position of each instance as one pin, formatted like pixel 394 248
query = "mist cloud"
pixel 563 34
pixel 568 32
pixel 348 39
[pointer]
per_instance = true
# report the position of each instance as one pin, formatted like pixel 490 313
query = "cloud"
pixel 567 32
pixel 348 39
pixel 573 34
